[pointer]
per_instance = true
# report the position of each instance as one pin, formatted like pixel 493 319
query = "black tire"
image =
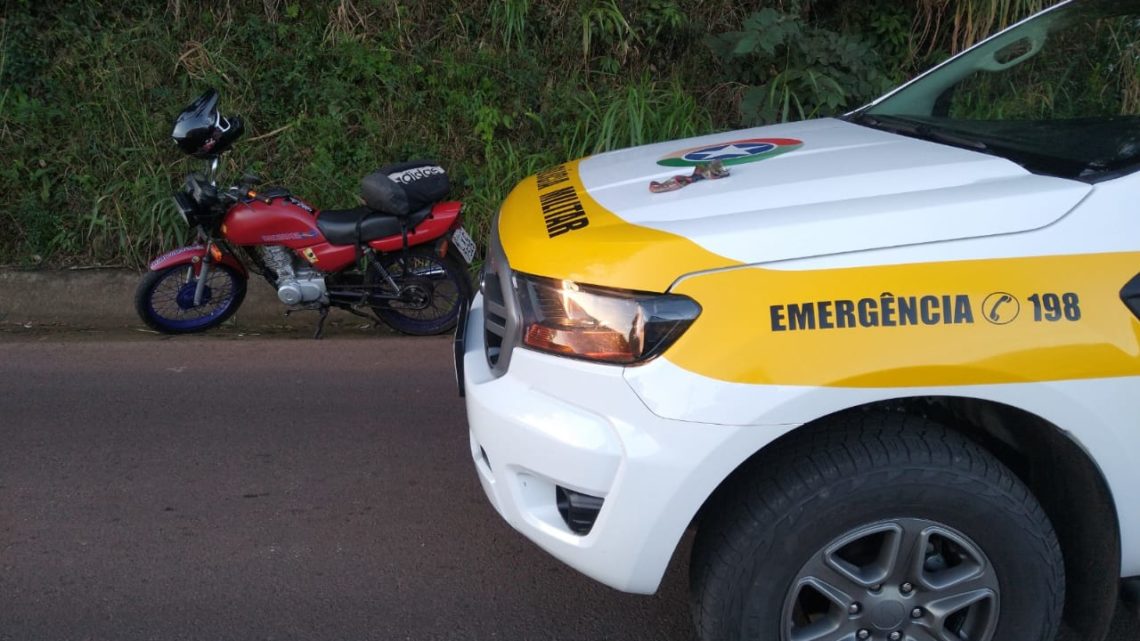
pixel 875 478
pixel 442 284
pixel 164 298
pixel 1130 596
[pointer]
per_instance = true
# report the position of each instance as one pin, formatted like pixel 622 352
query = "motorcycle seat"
pixel 339 225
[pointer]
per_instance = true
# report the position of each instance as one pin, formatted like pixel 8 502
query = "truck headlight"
pixel 598 323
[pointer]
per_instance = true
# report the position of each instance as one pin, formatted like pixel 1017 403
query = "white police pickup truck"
pixel 888 367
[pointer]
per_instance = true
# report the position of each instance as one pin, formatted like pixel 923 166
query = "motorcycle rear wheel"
pixel 164 299
pixel 435 289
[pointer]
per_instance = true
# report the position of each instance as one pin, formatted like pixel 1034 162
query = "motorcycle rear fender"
pixel 445 216
pixel 193 255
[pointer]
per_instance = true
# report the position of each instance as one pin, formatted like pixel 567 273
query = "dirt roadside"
pixel 98 304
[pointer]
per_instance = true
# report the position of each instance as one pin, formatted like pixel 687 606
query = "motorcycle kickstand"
pixel 324 310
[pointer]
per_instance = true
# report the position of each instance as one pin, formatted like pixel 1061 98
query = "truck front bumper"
pixel 552 422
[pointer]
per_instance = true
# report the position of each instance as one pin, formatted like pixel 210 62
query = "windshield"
pixel 1058 94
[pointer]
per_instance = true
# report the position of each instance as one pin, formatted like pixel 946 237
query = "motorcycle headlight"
pixel 600 324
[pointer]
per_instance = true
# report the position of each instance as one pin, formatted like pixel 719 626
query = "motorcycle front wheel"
pixel 432 291
pixel 164 299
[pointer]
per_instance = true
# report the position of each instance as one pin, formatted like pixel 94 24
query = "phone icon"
pixel 1000 308
pixel 995 316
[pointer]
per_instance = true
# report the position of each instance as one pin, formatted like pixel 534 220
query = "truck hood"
pixel 798 190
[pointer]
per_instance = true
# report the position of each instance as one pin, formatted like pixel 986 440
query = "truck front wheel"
pixel 876 527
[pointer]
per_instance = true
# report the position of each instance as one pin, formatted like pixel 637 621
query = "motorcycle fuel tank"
pixel 272 220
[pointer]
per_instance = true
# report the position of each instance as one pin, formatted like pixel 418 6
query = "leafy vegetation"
pixel 495 89
pixel 797 70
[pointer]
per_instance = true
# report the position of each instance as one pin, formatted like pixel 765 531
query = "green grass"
pixel 494 89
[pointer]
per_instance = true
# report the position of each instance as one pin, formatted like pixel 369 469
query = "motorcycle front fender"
pixel 193 255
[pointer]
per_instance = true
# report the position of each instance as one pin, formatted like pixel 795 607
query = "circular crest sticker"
pixel 733 152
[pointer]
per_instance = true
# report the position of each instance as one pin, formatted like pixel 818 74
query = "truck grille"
pixel 494 317
pixel 500 324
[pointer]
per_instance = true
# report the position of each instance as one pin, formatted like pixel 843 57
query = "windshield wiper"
pixel 1097 167
pixel 907 127
pixel 896 125
pixel 953 139
pixel 1014 151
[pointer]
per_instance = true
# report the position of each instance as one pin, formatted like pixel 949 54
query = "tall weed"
pixel 636 114
pixel 494 89
pixel 958 24
pixel 509 19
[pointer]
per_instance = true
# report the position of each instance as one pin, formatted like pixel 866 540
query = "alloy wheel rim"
pixel 905 579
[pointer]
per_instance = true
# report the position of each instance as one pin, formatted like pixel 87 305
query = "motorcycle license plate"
pixel 464 244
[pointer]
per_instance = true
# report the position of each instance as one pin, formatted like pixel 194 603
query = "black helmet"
pixel 201 131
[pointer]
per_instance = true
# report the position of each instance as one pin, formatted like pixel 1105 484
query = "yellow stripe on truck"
pixel 915 325
pixel 931 324
pixel 550 226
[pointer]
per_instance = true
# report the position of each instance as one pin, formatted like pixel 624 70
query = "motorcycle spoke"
pixel 429 292
pixel 164 300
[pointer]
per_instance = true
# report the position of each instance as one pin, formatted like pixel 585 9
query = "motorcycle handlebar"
pixel 231 195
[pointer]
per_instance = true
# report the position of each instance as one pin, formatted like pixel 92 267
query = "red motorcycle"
pixel 402 257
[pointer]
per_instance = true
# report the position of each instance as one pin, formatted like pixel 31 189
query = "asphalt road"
pixel 205 488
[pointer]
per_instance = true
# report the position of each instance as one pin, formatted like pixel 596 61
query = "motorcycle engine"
pixel 297 282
